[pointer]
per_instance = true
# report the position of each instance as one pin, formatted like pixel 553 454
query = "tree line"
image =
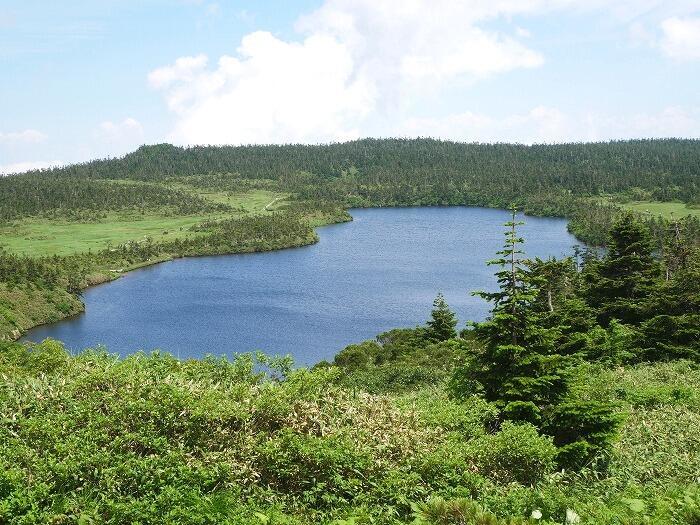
pixel 54 195
pixel 544 179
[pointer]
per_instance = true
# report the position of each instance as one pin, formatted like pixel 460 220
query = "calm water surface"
pixel 378 272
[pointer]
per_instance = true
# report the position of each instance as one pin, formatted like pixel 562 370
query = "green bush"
pixel 93 438
pixel 515 454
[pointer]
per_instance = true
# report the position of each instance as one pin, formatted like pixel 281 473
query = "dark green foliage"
pixel 17 269
pixel 665 168
pixel 360 356
pixel 619 284
pixel 557 282
pixel 78 198
pixel 672 329
pixel 442 322
pixel 670 337
pixel 544 179
pixel 519 368
pixel 583 431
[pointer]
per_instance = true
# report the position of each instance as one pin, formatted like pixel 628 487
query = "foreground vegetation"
pixel 576 402
pixel 150 439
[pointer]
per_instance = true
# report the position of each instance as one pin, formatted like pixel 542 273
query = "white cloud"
pixel 119 137
pixel 19 167
pixel 367 67
pixel 541 124
pixel 28 136
pixel 185 69
pixel 673 121
pixel 356 60
pixel 681 38
pixel 275 91
pixel 403 41
pixel 128 128
pixel 547 124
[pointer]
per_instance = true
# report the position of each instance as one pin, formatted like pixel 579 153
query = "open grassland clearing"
pixel 668 210
pixel 41 236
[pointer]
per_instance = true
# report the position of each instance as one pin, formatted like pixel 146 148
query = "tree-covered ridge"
pixel 669 165
pixel 424 171
pixel 60 196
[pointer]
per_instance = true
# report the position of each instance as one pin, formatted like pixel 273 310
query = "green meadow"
pixel 667 210
pixel 40 236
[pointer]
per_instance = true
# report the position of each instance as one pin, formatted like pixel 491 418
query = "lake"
pixel 380 271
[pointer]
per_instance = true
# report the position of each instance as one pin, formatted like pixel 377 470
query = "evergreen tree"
pixel 619 284
pixel 557 281
pixel 673 328
pixel 443 321
pixel 677 249
pixel 519 368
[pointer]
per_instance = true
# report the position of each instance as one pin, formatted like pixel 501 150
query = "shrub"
pixel 515 454
pixel 358 356
pixel 462 511
pixel 583 431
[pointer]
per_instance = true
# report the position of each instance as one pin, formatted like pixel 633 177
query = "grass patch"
pixel 38 237
pixel 667 210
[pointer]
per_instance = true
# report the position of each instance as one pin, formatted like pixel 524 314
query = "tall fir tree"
pixel 521 369
pixel 620 283
pixel 672 329
pixel 443 322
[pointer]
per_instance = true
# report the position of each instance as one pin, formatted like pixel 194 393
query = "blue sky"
pixel 83 79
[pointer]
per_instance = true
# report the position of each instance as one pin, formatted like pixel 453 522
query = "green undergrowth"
pixel 92 438
pixel 22 307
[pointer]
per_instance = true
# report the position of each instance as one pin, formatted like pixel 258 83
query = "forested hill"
pixel 583 182
pixel 667 168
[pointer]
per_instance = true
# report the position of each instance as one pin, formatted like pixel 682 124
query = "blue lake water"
pixel 380 271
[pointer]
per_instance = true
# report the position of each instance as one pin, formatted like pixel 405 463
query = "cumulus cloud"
pixel 119 137
pixel 368 67
pixel 681 38
pixel 28 136
pixel 356 59
pixel 273 91
pixel 547 124
pixel 19 167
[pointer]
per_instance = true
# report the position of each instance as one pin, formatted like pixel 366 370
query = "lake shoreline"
pixel 100 278
pixel 103 278
pixel 381 271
